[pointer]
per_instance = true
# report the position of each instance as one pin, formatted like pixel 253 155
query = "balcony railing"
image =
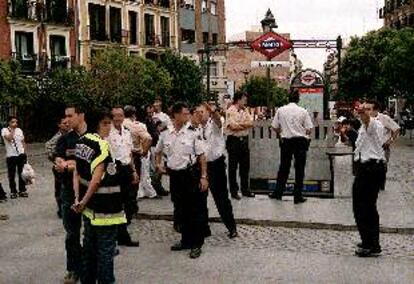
pixel 58 61
pixel 27 61
pixel 38 11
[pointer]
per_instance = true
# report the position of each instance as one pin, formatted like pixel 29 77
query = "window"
pixel 213 68
pixel 164 3
pixel 165 31
pixel 213 8
pixel 205 38
pixel 149 29
pixel 97 22
pixel 24 44
pixel 58 51
pixel 187 36
pixel 25 51
pixel 116 24
pixel 188 4
pixel 57 11
pixel 133 27
pixel 215 39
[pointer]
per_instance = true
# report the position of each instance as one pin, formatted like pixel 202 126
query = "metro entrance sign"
pixel 271 44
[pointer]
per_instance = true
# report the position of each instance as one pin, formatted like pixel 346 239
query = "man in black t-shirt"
pixel 65 164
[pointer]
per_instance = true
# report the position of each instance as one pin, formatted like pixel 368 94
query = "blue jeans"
pixel 99 244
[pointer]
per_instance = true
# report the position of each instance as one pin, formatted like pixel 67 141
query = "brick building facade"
pixel 38 33
pixel 239 63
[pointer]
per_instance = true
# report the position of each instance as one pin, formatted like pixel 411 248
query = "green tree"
pixel 378 65
pixel 118 78
pixel 16 89
pixel 187 78
pixel 262 94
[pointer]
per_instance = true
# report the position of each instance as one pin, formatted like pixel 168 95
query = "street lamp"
pixel 268 24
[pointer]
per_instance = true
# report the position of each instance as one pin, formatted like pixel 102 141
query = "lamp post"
pixel 268 24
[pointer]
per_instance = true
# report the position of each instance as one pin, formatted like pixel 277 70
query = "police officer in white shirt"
pixel 294 125
pixel 392 131
pixel 187 167
pixel 370 162
pixel 212 134
pixel 120 141
pixel 15 156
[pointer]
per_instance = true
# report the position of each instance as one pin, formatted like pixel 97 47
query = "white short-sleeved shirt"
pixel 213 138
pixel 15 147
pixel 121 144
pixel 293 121
pixel 180 148
pixel 370 141
pixel 389 124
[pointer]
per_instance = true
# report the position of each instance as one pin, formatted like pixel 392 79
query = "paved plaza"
pixel 278 242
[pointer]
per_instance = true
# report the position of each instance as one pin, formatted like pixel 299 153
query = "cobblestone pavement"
pixel 32 241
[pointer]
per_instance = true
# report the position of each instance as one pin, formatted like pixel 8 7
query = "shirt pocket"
pixel 187 147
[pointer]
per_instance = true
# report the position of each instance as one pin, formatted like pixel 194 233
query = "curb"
pixel 284 224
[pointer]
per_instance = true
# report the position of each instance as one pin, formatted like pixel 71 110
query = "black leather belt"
pixel 240 138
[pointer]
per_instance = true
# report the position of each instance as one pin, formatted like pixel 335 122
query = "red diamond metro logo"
pixel 271 44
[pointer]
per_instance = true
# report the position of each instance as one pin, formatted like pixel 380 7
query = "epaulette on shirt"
pixel 192 128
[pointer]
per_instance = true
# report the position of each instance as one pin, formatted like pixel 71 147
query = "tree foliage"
pixel 378 65
pixel 187 78
pixel 261 92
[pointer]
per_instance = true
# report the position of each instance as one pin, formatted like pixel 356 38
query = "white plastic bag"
pixel 28 174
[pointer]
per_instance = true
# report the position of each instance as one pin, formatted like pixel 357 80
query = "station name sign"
pixel 271 44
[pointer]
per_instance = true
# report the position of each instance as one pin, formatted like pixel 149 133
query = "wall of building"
pixel 5 46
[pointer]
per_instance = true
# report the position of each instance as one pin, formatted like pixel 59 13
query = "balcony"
pixel 27 62
pixel 58 61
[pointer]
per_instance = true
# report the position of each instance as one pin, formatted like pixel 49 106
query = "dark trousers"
pixel 98 255
pixel 218 186
pixel 2 192
pixel 185 190
pixel 72 223
pixel 239 156
pixel 58 188
pixel 13 164
pixel 365 194
pixel 129 199
pixel 292 148
pixel 384 176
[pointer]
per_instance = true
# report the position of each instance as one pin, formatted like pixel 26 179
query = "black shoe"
pixel 23 194
pixel 235 196
pixel 13 196
pixel 177 228
pixel 368 252
pixel 162 193
pixel 299 200
pixel 3 198
pixel 233 234
pixel 248 194
pixel 195 253
pixel 179 246
pixel 273 195
pixel 130 243
pixel 116 252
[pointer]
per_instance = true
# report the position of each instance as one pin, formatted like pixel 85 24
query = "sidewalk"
pixel 396 203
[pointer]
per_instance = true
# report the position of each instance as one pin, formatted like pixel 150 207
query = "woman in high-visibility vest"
pixel 98 198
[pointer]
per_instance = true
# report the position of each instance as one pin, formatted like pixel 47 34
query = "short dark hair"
pixel 238 96
pixel 11 117
pixel 95 117
pixel 130 111
pixel 118 106
pixel 178 107
pixel 294 96
pixel 78 108
pixel 375 104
